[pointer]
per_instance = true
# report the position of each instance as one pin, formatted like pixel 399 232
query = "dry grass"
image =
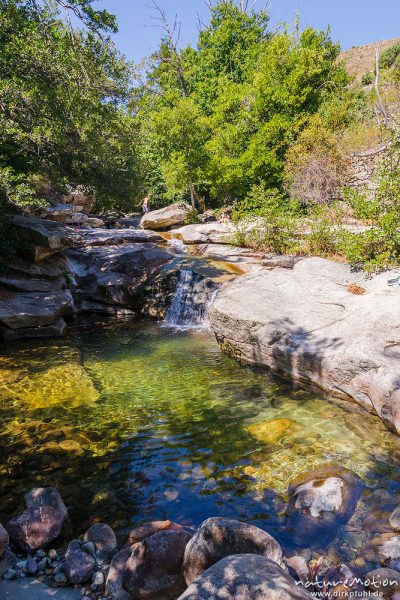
pixel 361 59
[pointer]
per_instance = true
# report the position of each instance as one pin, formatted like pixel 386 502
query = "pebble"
pixel 42 564
pixel 21 565
pixel 10 574
pixel 89 548
pixel 98 578
pixel 52 554
pixel 40 554
pixel 58 569
pixel 60 578
pixel 31 566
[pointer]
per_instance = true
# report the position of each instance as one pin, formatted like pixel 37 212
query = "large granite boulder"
pixel 245 577
pixel 41 521
pixel 154 569
pixel 42 237
pixel 203 233
pixel 218 537
pixel 174 214
pixel 319 502
pixel 116 275
pixel 320 324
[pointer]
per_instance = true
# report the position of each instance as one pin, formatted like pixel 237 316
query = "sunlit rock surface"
pixel 174 214
pixel 245 577
pixel 311 325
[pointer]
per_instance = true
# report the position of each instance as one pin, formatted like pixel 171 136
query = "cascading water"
pixel 191 302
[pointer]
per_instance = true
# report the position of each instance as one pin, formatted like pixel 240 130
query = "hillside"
pixel 361 59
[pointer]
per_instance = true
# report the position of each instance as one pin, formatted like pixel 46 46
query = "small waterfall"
pixel 191 302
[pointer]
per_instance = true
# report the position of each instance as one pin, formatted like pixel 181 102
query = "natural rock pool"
pixel 134 422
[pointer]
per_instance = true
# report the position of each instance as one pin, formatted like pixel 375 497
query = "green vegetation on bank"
pixel 262 121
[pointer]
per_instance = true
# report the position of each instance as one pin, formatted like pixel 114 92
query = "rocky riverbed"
pixel 222 558
pixel 313 321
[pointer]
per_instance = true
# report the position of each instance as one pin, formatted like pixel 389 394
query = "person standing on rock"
pixel 146 204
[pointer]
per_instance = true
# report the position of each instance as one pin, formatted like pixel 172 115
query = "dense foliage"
pixel 63 95
pixel 247 117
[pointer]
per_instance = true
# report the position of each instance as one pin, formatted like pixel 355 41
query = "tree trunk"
pixel 192 195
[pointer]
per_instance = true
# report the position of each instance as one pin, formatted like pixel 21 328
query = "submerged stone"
pixel 63 383
pixel 270 432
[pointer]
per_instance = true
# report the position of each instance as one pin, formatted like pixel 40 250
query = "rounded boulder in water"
pixel 320 501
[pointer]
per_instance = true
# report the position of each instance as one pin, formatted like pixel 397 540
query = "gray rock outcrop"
pixel 322 325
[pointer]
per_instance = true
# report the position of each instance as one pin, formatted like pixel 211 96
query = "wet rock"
pixel 4 539
pixel 41 521
pixel 114 581
pixel 327 337
pixel 391 548
pixel 320 501
pixel 174 214
pixel 245 577
pixel 103 538
pixel 147 529
pixel 78 565
pixel 35 309
pixel 394 519
pixel 218 537
pixel 384 581
pixel 7 561
pixel 154 569
pixel 270 432
pixel 298 568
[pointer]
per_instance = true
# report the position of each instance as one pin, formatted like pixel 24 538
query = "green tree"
pixel 63 98
pixel 181 133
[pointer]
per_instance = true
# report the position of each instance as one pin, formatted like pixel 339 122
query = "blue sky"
pixel 353 22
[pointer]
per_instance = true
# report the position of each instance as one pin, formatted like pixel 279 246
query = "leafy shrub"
pixel 379 246
pixel 367 78
pixel 259 200
pixel 266 220
pixel 389 57
pixel 15 191
pixel 272 232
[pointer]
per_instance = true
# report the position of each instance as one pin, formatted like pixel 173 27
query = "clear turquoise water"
pixel 134 422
